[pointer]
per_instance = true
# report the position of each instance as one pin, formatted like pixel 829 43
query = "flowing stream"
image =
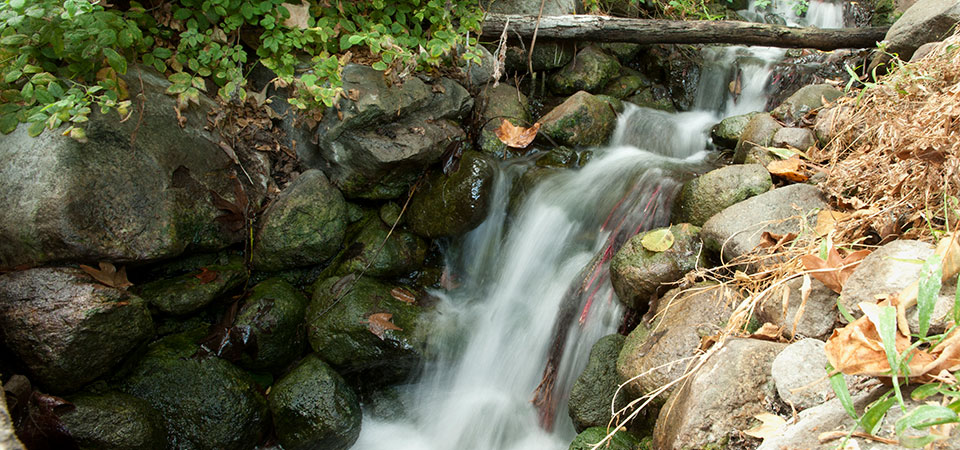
pixel 495 331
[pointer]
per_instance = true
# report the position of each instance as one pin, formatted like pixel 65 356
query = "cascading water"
pixel 495 333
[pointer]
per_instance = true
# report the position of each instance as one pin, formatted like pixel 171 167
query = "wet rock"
pixel 638 274
pixel 589 404
pixel 499 103
pixel 799 138
pixel 341 333
pixel 378 144
pixel 808 98
pixel 925 21
pixel 674 335
pixel 191 291
pixel 759 131
pixel 386 404
pixel 614 102
pixel 374 249
pixel 390 213
pixel 207 403
pixel 314 408
pixel 887 271
pixel 653 97
pixel 303 226
pixel 112 200
pixel 737 230
pixel 625 85
pixel 727 133
pixel 678 68
pixel 66 328
pixel 590 70
pixel 800 376
pixel 622 440
pixel 582 120
pixel 273 314
pixel 624 51
pixel 560 157
pixel 525 184
pixel 705 196
pixel 819 312
pixel 720 399
pixel 449 205
pixel 546 56
pixel 114 421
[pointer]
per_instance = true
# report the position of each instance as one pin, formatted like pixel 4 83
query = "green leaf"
pixel 17 4
pixel 8 123
pixel 873 416
pixel 14 40
pixel 27 91
pixel 928 292
pixel 35 129
pixel 355 39
pixel 925 416
pixel 116 60
pixel 379 65
pixel 12 76
pixel 918 441
pixel 658 240
pixel 924 391
pixel 839 385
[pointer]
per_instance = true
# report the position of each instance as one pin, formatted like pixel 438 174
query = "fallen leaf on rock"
pixel 774 242
pixel 767 332
pixel 658 240
pixel 836 269
pixel 379 323
pixel 235 212
pixel 109 275
pixel 827 221
pixel 770 426
pixel 206 275
pixel 790 169
pixel 514 136
pixel 403 295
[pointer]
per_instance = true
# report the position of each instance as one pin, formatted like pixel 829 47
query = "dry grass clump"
pixel 896 155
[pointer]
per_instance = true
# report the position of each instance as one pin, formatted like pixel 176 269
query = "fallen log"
pixel 648 31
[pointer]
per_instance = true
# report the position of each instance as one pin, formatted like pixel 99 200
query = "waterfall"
pixel 493 333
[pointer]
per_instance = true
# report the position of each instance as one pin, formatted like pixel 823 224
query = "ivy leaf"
pixel 109 275
pixel 379 323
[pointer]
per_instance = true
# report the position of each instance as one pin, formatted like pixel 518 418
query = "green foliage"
pixel 60 58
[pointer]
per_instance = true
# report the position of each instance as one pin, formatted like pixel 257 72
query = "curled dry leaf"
pixel 109 275
pixel 791 169
pixel 767 332
pixel 403 295
pixel 836 269
pixel 775 242
pixel 379 323
pixel 827 221
pixel 514 136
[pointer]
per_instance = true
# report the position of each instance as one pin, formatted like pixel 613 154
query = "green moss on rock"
pixel 449 205
pixel 583 120
pixel 186 293
pixel 590 70
pixel 114 421
pixel 622 440
pixel 274 314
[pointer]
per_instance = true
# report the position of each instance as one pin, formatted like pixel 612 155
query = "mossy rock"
pixel 624 86
pixel 273 314
pixel 758 132
pixel 614 102
pixel 639 274
pixel 583 120
pixel 304 226
pixel 546 56
pixel 562 157
pixel 622 440
pixel 503 102
pixel 703 197
pixel 726 133
pixel 340 332
pixel 314 408
pixel 207 402
pixel 371 248
pixel 188 292
pixel 453 204
pixel 589 404
pixel 589 71
pixel 653 97
pixel 114 421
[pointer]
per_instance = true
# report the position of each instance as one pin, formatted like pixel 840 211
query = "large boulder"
pixel 207 403
pixel 501 102
pixel 303 226
pixel 758 132
pixel 114 421
pixel 639 274
pixel 720 399
pixel 703 197
pixel 659 351
pixel 590 397
pixel 116 197
pixel 589 71
pixel 190 291
pixel 66 328
pixel 273 316
pixel 348 326
pixel 380 137
pixel 925 21
pixel 452 204
pixel 806 99
pixel 314 408
pixel 738 230
pixel 583 120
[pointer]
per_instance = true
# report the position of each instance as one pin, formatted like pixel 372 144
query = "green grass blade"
pixel 928 291
pixel 839 385
pixel 873 416
pixel 925 416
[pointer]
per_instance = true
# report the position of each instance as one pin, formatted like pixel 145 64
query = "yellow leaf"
pixel 770 427
pixel 658 240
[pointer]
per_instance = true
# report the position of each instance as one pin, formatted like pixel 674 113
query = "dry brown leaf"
pixel 856 349
pixel 770 427
pixel 109 275
pixel 827 221
pixel 299 15
pixel 836 269
pixel 206 275
pixel 379 323
pixel 767 332
pixel 514 136
pixel 403 295
pixel 790 169
pixel 774 242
